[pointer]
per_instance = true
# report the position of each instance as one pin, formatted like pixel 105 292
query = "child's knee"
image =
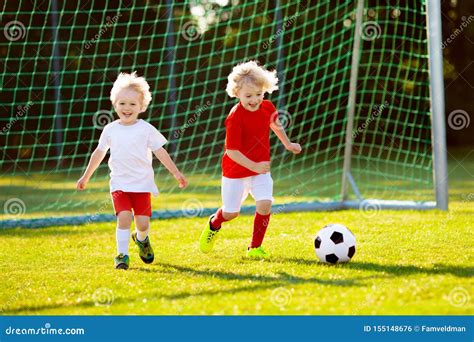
pixel 142 223
pixel 142 228
pixel 264 207
pixel 230 216
pixel 124 219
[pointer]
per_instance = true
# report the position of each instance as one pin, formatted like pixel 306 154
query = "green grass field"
pixel 407 262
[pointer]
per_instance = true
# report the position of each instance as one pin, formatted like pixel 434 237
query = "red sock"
pixel 217 220
pixel 260 225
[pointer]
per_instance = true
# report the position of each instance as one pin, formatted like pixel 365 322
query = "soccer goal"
pixel 361 89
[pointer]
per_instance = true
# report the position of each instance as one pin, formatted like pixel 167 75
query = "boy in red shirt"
pixel 246 160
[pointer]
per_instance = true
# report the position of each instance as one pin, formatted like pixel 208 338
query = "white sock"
pixel 141 236
pixel 123 238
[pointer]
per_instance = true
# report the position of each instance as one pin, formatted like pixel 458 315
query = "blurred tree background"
pixel 459 66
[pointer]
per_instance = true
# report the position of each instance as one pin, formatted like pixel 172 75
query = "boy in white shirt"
pixel 131 141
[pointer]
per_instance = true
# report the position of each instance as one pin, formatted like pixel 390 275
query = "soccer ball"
pixel 335 243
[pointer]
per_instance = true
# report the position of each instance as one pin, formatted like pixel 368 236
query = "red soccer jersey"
pixel 249 133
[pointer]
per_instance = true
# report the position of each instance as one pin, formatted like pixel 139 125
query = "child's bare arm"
pixel 96 158
pixel 166 160
pixel 241 159
pixel 279 131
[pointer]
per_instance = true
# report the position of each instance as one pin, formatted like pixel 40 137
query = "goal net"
pixel 59 60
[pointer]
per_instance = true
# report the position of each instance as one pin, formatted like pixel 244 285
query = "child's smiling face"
pixel 251 96
pixel 128 105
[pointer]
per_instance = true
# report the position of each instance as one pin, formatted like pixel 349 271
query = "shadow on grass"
pixel 246 283
pixel 397 270
pixel 282 277
pixel 267 282
pixel 220 291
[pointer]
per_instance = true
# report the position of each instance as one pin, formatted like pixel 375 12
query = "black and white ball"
pixel 335 243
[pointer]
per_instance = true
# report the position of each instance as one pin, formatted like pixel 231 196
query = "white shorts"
pixel 235 190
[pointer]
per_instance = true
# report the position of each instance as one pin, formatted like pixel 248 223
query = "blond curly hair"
pixel 251 72
pixel 139 84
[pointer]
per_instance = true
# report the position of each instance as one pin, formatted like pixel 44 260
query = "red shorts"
pixel 140 202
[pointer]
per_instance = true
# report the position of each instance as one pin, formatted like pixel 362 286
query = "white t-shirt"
pixel 130 159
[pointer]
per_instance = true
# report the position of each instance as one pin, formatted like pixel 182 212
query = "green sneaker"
pixel 208 237
pixel 257 253
pixel 144 249
pixel 121 262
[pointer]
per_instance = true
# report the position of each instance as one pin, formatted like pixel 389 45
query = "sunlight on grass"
pixel 406 263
